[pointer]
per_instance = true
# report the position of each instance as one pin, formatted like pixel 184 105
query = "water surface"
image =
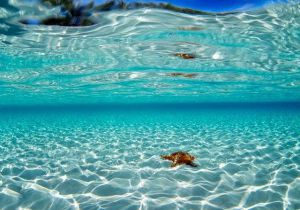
pixel 128 56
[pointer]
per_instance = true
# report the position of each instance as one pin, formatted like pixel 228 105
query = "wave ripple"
pixel 130 55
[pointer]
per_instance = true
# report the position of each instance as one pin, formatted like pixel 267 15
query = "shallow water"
pixel 86 112
pixel 109 158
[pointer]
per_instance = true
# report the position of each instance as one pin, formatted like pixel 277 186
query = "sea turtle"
pixel 179 158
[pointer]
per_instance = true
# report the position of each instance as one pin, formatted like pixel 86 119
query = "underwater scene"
pixel 145 104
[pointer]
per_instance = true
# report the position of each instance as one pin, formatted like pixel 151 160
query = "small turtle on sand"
pixel 179 158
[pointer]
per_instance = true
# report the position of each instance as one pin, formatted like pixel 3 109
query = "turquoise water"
pixel 86 112
pixel 128 56
pixel 109 157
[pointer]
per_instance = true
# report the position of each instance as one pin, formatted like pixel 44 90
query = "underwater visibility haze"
pixel 94 93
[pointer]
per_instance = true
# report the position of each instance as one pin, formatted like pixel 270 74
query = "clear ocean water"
pixel 86 112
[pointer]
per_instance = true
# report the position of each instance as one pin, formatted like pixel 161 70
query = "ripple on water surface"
pixel 112 161
pixel 246 56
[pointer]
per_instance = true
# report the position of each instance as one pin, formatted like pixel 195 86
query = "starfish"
pixel 179 158
pixel 185 55
pixel 179 74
